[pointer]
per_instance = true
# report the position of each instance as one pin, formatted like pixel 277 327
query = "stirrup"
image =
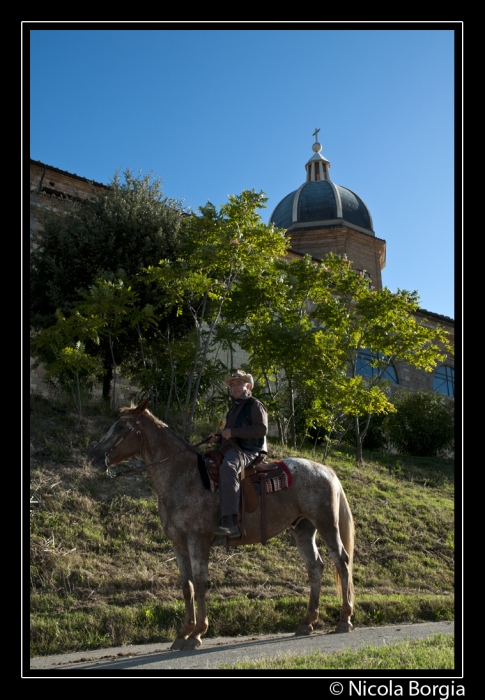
pixel 226 529
pixel 231 531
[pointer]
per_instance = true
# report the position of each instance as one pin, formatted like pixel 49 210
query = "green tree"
pixel 127 227
pixel 306 324
pixel 218 249
pixel 113 308
pixel 270 318
pixel 357 317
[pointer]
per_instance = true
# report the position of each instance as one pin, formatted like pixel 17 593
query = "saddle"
pixel 267 476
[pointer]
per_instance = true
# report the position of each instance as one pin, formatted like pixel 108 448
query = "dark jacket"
pixel 248 421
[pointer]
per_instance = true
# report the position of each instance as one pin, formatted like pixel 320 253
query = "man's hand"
pixel 226 433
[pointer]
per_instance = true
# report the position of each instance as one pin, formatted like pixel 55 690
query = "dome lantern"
pixel 321 217
pixel 318 166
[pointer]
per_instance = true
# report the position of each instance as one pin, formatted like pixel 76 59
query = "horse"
pixel 188 512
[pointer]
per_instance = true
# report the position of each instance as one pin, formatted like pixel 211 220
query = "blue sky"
pixel 213 111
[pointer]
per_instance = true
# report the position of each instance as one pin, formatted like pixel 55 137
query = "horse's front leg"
pixel 199 563
pixel 183 561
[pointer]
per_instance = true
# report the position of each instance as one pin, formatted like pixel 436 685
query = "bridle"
pixel 110 472
pixel 131 428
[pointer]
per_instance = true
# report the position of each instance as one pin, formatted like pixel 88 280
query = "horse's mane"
pixel 179 437
pixel 131 409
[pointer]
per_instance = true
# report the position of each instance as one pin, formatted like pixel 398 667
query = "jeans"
pixel 229 480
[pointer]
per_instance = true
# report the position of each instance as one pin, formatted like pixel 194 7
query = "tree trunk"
pixel 173 381
pixel 79 396
pixel 113 395
pixel 150 388
pixel 169 401
pixel 210 333
pixel 366 428
pixel 108 376
pixel 292 415
pixel 281 430
pixel 358 443
pixel 198 327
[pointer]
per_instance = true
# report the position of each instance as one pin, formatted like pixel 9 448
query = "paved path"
pixel 224 650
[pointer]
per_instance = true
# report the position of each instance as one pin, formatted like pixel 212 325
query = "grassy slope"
pixel 102 572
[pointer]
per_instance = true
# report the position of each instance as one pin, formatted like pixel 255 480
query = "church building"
pixel 322 217
pixel 319 217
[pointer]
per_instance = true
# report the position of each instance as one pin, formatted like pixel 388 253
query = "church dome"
pixel 320 202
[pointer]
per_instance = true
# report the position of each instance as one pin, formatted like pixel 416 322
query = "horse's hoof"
pixel 344 627
pixel 191 643
pixel 304 629
pixel 178 644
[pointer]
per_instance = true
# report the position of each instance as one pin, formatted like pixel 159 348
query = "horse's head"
pixel 123 439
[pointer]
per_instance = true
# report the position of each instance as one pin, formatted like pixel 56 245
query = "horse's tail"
pixel 347 535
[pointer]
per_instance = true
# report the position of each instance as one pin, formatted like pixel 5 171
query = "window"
pixel 364 367
pixel 444 381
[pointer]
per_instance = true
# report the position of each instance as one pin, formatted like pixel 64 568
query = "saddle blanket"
pixel 273 483
pixel 278 483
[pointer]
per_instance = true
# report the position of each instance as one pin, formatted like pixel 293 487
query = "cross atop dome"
pixel 317 147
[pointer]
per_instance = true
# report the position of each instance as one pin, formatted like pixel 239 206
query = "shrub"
pixel 423 425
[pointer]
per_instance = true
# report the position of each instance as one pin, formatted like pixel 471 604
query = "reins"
pixel 145 466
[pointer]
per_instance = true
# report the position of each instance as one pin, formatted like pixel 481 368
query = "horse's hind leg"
pixel 188 626
pixel 304 536
pixel 340 559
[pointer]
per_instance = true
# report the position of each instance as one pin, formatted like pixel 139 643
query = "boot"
pixel 228 527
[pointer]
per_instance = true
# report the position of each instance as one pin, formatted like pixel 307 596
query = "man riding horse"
pixel 242 439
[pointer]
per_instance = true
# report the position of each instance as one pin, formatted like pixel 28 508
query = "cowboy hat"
pixel 239 374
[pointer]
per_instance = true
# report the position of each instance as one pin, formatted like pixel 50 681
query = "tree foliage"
pixel 357 317
pixel 67 363
pixel 120 230
pixel 270 319
pixel 307 323
pixel 219 250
